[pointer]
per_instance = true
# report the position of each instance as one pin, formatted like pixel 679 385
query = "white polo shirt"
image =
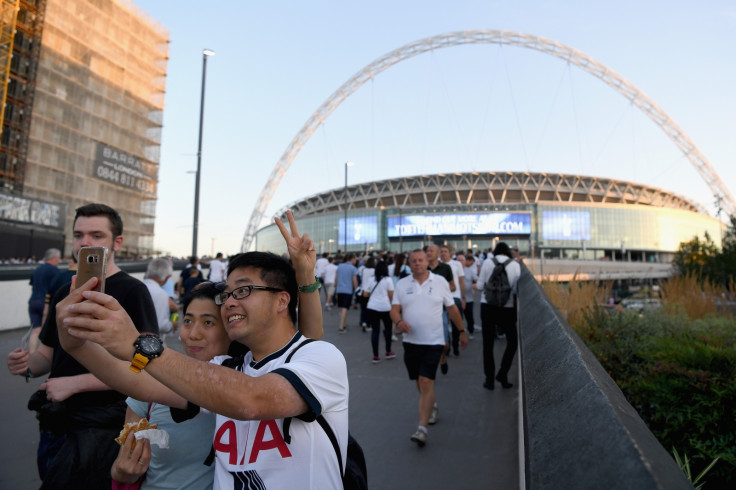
pixel 421 307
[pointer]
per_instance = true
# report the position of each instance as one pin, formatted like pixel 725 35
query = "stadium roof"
pixel 486 188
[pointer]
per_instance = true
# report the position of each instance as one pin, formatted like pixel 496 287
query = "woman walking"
pixel 379 308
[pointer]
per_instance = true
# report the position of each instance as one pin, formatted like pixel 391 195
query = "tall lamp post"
pixel 195 227
pixel 347 201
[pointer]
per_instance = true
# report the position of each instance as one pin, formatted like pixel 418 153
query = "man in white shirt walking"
pixel 417 311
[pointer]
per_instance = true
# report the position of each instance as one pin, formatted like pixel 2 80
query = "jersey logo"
pixel 226 441
pixel 247 480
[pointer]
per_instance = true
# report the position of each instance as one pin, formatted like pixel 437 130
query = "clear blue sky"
pixel 466 108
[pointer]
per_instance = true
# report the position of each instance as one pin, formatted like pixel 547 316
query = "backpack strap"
pixel 333 439
pixel 320 419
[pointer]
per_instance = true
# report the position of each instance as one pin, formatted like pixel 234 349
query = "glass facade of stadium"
pixel 645 225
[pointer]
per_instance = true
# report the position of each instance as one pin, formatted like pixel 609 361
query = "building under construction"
pixel 83 87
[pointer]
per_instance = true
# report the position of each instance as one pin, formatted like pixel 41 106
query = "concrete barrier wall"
pixel 14 300
pixel 579 430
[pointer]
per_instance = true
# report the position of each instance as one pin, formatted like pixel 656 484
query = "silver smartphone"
pixel 92 263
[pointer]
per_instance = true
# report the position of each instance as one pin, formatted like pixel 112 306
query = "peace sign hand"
pixel 301 250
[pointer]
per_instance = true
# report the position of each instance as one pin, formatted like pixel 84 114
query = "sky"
pixel 479 107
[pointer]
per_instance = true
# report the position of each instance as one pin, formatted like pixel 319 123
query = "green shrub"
pixel 680 375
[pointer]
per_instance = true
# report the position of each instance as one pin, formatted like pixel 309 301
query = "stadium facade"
pixel 83 119
pixel 560 216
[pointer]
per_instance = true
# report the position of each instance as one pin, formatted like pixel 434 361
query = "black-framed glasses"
pixel 242 292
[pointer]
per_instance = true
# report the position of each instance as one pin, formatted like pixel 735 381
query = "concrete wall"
pixel 579 430
pixel 14 301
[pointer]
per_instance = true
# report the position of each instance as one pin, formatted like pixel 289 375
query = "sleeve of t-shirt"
pixel 396 300
pixel 139 407
pixel 139 306
pixel 447 298
pixel 318 372
pixel 49 336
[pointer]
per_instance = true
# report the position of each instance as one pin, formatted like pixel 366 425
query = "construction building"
pixel 83 96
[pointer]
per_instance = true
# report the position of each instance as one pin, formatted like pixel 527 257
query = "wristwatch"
pixel 147 347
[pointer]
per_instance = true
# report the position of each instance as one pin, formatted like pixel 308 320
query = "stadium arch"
pixel 501 37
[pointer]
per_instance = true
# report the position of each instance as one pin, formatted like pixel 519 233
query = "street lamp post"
pixel 347 201
pixel 195 227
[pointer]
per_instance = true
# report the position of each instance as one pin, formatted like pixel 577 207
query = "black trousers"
pixel 505 319
pixel 469 316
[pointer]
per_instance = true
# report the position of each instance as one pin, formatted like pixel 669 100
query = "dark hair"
pixel 502 249
pixel 96 209
pixel 381 271
pixel 203 290
pixel 398 263
pixel 370 263
pixel 275 272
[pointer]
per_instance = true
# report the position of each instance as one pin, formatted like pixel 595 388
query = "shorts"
pixel 330 289
pixel 344 300
pixel 422 360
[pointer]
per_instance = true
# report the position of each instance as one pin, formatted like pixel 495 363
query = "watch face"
pixel 150 344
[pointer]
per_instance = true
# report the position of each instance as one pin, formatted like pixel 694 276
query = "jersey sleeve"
pixel 318 372
pixel 447 298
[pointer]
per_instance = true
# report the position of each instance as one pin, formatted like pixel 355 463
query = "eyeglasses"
pixel 242 292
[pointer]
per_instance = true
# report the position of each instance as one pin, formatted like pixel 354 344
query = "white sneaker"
pixel 435 415
pixel 420 437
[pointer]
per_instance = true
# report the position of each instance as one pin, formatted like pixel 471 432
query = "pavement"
pixel 474 445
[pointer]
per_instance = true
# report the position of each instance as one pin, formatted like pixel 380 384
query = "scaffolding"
pixel 8 18
pixel 21 49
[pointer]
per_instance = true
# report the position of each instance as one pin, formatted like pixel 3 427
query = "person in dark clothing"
pixel 79 416
pixel 40 283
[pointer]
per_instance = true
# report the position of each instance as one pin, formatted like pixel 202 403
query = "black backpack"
pixel 497 288
pixel 354 472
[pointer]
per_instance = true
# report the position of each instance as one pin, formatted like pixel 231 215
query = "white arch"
pixel 544 45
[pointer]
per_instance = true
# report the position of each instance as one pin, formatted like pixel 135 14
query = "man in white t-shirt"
pixel 458 276
pixel 253 442
pixel 158 272
pixel 218 269
pixel 499 318
pixel 319 268
pixel 329 279
pixel 417 311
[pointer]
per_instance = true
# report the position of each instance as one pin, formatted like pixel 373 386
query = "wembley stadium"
pixel 560 216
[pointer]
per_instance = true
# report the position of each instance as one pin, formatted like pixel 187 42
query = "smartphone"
pixel 92 263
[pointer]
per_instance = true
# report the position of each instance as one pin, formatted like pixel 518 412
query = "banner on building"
pixel 32 211
pixel 124 170
pixel 497 224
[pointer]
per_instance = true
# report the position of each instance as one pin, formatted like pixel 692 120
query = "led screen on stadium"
pixel 566 225
pixel 460 224
pixel 361 230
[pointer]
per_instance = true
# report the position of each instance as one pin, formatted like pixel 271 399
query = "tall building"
pixel 91 98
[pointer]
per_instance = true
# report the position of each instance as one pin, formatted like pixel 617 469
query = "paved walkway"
pixel 474 444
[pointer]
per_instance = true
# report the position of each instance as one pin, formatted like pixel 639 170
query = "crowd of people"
pixel 430 303
pixel 240 403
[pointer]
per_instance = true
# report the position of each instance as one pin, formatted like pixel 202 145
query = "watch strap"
pixel 139 362
pixel 310 288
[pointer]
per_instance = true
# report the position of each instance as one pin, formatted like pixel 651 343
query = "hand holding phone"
pixel 92 263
